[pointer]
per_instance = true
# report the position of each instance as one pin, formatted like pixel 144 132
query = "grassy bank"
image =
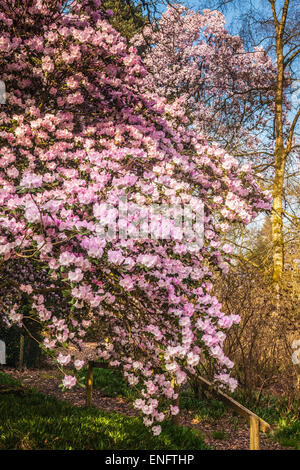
pixel 280 413
pixel 32 420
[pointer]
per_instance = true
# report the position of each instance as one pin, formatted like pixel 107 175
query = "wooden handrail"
pixel 235 405
pixel 256 423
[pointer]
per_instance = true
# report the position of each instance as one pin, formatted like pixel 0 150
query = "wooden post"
pixel 254 433
pixel 236 406
pixel 89 387
pixel 21 353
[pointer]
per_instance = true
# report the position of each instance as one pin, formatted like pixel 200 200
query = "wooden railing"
pixel 256 423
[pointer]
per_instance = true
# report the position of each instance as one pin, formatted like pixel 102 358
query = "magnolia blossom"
pixel 49 344
pixel 147 422
pixel 227 248
pixel 47 64
pixel 201 37
pixel 115 257
pixel 15 317
pixel 160 417
pixel 148 260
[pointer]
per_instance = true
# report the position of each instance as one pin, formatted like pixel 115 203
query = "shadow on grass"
pixel 32 420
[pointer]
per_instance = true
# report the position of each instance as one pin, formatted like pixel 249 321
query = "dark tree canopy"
pixel 128 17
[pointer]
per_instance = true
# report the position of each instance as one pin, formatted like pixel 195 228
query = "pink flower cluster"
pixel 82 134
pixel 196 64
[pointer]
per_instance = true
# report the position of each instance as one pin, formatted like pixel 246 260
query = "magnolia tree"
pixel 228 92
pixel 80 146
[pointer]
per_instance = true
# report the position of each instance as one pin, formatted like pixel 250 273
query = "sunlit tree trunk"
pixel 277 223
pixel 280 152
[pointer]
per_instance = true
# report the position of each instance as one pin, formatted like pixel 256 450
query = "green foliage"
pixel 288 433
pixel 36 421
pixel 209 409
pixel 128 18
pixel 272 408
pixel 220 435
pixel 42 422
pixel 283 414
pixel 110 382
pixel 8 380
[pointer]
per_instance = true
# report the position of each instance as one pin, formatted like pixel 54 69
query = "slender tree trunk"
pixel 21 353
pixel 280 153
pixel 277 223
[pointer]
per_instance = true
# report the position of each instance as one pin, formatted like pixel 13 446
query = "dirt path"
pixel 233 432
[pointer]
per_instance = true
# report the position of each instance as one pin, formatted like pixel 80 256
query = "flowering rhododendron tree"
pixel 227 91
pixel 78 142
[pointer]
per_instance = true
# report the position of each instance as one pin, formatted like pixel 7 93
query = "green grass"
pixel 36 421
pixel 209 410
pixel 110 382
pixel 288 433
pixel 272 408
pixel 8 380
pixel 282 414
pixel 278 412
pixel 46 423
pixel 220 435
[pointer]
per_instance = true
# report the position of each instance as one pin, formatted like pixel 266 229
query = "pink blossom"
pixel 31 180
pixel 75 276
pixel 69 381
pixel 174 410
pixel 156 430
pixel 78 364
pixel 85 133
pixel 63 360
pixel 127 283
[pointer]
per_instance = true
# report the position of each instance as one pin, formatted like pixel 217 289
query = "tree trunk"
pixel 21 353
pixel 280 154
pixel 277 223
